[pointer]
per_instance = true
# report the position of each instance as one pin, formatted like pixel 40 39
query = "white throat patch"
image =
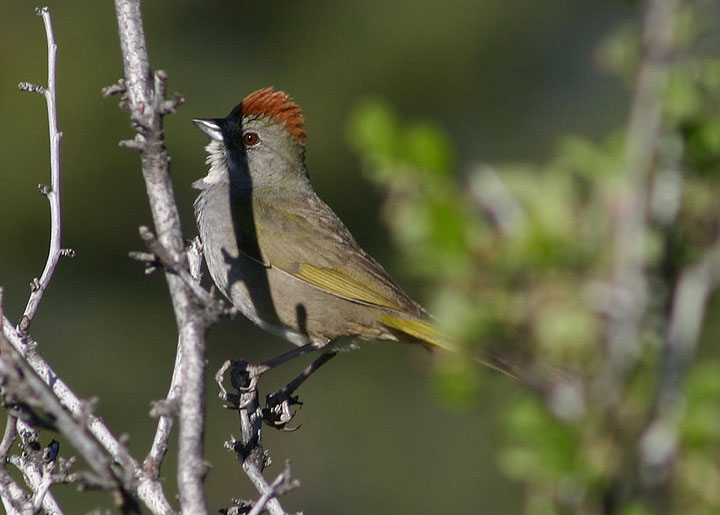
pixel 217 159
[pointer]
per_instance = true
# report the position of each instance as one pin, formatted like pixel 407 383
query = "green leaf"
pixel 429 148
pixel 374 132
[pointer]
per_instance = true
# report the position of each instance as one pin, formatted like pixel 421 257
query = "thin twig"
pixel 282 484
pixel 43 489
pixel 27 462
pixel 214 306
pixel 249 448
pixel 630 284
pixel 149 489
pixel 14 498
pixel 159 446
pixel 37 467
pixel 22 385
pixel 659 442
pixel 53 191
pixel 145 99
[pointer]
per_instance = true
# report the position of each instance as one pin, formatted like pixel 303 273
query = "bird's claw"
pixel 230 400
pixel 278 410
pixel 251 385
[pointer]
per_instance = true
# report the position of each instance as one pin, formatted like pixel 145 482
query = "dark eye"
pixel 251 138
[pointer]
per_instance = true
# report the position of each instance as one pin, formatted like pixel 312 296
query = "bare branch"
pixel 146 102
pixel 631 209
pixel 249 448
pixel 161 105
pixel 52 192
pixel 114 89
pixel 659 442
pixel 214 306
pixel 14 498
pixel 49 391
pixel 134 144
pixel 21 384
pixel 36 469
pixel 282 484
pixel 32 88
pixel 149 489
pixel 167 409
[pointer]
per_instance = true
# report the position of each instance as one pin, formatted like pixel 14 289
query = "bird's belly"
pixel 249 305
pixel 245 282
pixel 291 308
pixel 280 302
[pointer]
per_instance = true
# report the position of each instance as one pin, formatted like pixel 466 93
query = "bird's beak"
pixel 211 127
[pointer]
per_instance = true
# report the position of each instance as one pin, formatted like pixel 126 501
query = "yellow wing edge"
pixel 420 330
pixel 339 283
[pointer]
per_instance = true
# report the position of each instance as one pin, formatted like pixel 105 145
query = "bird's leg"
pixel 260 368
pixel 244 376
pixel 255 370
pixel 278 411
pixel 239 378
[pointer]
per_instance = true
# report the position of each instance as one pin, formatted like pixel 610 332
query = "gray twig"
pixel 149 489
pixel 167 410
pixel 249 448
pixel 15 500
pixel 40 386
pixel 143 93
pixel 114 89
pixel 659 441
pixel 283 483
pixel 23 387
pixel 630 285
pixel 36 469
pixel 53 192
pixel 213 307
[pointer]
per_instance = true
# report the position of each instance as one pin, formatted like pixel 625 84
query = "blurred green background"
pixel 505 79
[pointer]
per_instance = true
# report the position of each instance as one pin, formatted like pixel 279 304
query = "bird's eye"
pixel 251 138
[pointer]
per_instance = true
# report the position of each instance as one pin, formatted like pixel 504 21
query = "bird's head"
pixel 260 143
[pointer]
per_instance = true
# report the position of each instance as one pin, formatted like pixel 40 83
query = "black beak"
pixel 211 127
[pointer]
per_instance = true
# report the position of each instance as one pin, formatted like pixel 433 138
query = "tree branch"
pixel 38 286
pixel 149 489
pixel 167 409
pixel 249 448
pixel 22 385
pixel 659 442
pixel 14 498
pixel 146 103
pixel 35 468
pixel 630 286
pixel 40 385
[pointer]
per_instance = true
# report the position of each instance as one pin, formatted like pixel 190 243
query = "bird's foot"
pixel 243 378
pixel 278 410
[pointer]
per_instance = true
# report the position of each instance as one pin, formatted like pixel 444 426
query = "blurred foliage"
pixel 497 79
pixel 108 329
pixel 522 254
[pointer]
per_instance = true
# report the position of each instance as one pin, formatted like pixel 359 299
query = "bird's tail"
pixel 426 333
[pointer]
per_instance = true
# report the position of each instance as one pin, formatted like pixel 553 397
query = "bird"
pixel 286 261
pixel 277 251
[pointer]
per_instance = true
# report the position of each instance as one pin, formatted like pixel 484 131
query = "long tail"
pixel 424 332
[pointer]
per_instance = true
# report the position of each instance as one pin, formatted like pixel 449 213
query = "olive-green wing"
pixel 305 238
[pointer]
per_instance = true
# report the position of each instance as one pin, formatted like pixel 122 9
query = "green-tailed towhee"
pixel 277 251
